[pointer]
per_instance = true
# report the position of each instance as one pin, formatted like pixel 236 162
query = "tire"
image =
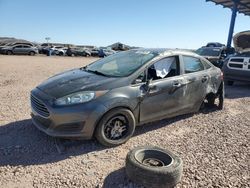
pixel 108 135
pixel 60 53
pixel 153 167
pixel 9 52
pixel 220 95
pixel 211 100
pixel 230 83
pixel 32 53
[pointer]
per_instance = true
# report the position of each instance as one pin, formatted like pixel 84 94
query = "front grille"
pixel 39 107
pixel 236 65
pixel 71 127
pixel 237 60
pixel 240 63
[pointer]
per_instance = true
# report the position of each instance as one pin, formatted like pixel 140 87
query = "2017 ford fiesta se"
pixel 110 97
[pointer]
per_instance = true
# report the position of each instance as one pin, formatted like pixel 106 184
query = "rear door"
pixel 197 79
pixel 26 49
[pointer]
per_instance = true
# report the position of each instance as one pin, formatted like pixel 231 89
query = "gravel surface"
pixel 214 145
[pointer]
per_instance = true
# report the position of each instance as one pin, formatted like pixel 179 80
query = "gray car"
pixel 20 49
pixel 110 97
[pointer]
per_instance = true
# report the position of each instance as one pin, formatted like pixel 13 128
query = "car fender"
pixel 118 102
pixel 122 100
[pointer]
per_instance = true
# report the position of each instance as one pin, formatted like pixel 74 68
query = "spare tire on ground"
pixel 153 167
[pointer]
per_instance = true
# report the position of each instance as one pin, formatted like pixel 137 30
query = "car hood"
pixel 242 41
pixel 73 81
pixel 6 47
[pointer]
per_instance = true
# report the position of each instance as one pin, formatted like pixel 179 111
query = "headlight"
pixel 79 97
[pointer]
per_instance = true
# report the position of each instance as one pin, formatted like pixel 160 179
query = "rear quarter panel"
pixel 215 80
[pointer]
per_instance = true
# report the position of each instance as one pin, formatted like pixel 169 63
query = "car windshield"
pixel 209 51
pixel 121 64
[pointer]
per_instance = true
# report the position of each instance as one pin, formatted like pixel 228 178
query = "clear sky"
pixel 145 23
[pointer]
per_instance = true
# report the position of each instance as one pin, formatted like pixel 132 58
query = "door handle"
pixel 204 79
pixel 177 85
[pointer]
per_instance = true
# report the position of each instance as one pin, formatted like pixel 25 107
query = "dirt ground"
pixel 214 145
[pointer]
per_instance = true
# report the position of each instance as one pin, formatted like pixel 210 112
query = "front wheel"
pixel 32 53
pixel 115 127
pixel 9 52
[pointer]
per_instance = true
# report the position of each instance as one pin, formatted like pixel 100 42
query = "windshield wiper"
pixel 96 72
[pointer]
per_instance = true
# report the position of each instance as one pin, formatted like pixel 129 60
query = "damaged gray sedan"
pixel 110 97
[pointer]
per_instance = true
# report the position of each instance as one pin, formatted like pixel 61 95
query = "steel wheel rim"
pixel 153 162
pixel 153 158
pixel 116 128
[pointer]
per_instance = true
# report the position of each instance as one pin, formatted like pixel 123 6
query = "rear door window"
pixel 192 64
pixel 206 65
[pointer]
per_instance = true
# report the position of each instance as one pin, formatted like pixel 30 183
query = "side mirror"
pixel 146 86
pixel 149 81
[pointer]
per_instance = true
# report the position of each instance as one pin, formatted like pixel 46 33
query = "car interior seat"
pixel 152 73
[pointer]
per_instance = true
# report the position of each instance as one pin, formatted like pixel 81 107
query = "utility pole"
pixel 47 39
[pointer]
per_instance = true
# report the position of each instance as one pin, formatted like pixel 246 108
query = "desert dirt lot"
pixel 214 145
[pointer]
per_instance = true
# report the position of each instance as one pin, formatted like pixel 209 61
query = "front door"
pixel 164 95
pixel 18 49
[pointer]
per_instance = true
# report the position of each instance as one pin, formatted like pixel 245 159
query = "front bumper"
pixel 236 75
pixel 75 121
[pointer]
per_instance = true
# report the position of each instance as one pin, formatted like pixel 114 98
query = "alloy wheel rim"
pixel 116 128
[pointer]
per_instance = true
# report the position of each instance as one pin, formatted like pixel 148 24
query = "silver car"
pixel 20 49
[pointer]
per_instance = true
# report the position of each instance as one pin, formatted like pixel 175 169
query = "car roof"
pixel 211 47
pixel 166 51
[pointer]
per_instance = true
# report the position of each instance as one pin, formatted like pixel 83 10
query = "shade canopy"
pixel 243 5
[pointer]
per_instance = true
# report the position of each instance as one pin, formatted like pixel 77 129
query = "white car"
pixel 59 50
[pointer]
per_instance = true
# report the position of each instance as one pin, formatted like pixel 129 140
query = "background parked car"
pixel 43 48
pixel 78 52
pixel 106 52
pixel 95 52
pixel 215 44
pixel 215 55
pixel 21 49
pixel 15 43
pixel 59 50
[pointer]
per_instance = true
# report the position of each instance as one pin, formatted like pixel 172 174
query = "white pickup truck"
pixel 237 66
